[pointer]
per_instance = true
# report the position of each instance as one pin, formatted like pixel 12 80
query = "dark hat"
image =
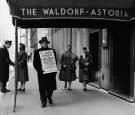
pixel 8 42
pixel 44 39
pixel 22 46
pixel 84 48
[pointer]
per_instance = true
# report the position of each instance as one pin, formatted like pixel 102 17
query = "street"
pixel 75 102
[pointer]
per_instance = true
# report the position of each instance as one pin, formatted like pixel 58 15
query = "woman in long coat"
pixel 68 67
pixel 85 70
pixel 22 67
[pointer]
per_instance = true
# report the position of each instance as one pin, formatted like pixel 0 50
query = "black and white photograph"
pixel 67 57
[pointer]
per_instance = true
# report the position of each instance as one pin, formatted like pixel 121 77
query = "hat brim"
pixel 43 41
pixel 9 43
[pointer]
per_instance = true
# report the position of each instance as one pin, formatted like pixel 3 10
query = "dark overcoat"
pixel 4 64
pixel 68 73
pixel 46 81
pixel 83 74
pixel 22 67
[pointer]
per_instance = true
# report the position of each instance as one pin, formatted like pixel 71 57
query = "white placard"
pixel 48 61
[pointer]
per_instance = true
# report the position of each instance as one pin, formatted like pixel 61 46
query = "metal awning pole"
pixel 16 63
pixel 71 38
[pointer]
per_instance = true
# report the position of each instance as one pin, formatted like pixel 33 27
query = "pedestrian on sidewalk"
pixel 5 61
pixel 22 67
pixel 68 67
pixel 47 82
pixel 85 62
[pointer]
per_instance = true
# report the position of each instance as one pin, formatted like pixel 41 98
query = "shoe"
pixel 19 89
pixel 3 91
pixel 23 89
pixel 65 86
pixel 69 89
pixel 7 90
pixel 50 101
pixel 84 89
pixel 43 105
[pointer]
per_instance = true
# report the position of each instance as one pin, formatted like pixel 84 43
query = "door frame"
pixel 92 31
pixel 132 68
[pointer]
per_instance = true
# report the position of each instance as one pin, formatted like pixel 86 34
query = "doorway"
pixel 121 61
pixel 94 39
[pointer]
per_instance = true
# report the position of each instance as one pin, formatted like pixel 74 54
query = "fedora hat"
pixel 8 42
pixel 44 39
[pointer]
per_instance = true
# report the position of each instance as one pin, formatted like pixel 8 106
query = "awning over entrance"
pixel 119 10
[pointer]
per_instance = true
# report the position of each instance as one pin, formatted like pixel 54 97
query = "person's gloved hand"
pixel 42 71
pixel 13 64
pixel 64 66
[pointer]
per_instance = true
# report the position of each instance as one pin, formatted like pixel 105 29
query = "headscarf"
pixel 83 54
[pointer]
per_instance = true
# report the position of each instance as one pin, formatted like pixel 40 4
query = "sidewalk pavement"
pixel 75 102
pixel 11 74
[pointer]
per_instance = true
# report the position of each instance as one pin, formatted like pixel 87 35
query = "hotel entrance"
pixel 120 70
pixel 95 50
pixel 88 14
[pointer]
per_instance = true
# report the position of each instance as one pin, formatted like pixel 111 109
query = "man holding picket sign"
pixel 45 64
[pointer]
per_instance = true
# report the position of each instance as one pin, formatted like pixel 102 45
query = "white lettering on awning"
pixel 95 12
